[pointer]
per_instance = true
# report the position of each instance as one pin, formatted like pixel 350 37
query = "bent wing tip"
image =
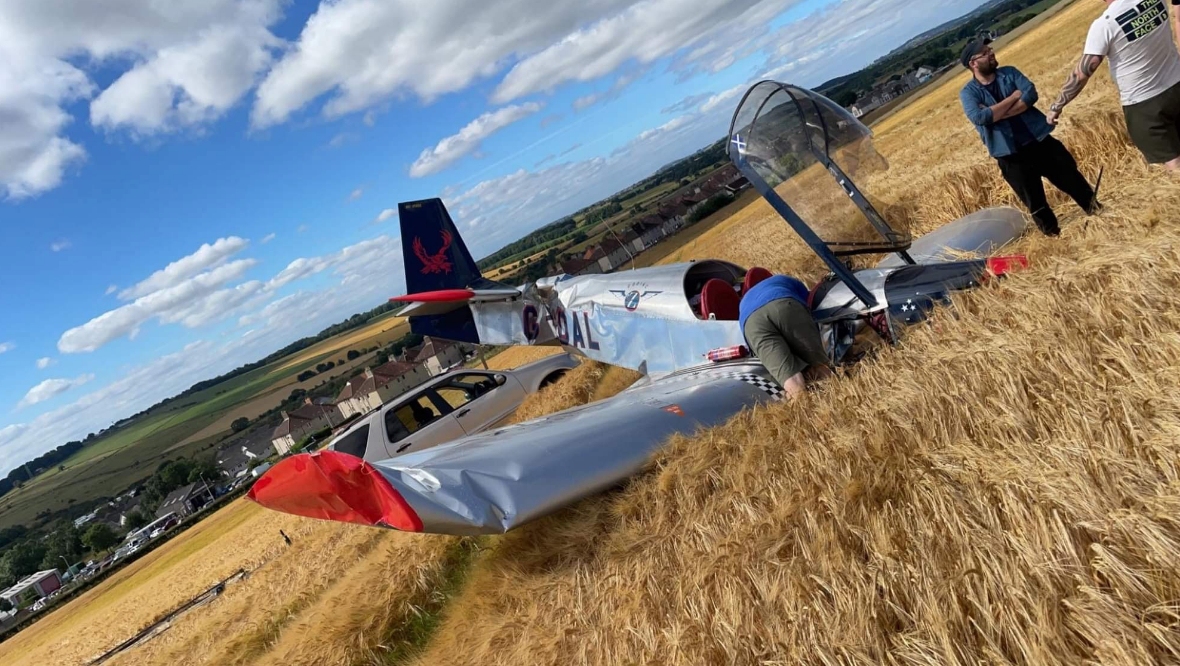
pixel 330 485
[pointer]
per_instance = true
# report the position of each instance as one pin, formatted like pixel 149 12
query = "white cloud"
pixel 385 215
pixel 177 64
pixel 172 304
pixel 720 98
pixel 356 194
pixel 207 256
pixel 51 388
pixel 10 432
pixel 217 306
pixel 847 35
pixel 342 139
pixel 58 246
pixel 355 54
pixel 303 228
pixel 111 289
pixel 521 201
pixel 267 238
pixel 34 155
pixel 298 269
pixel 643 32
pixel 45 362
pixel 670 126
pixel 6 347
pixel 369 258
pixel 193 82
pixel 457 146
pixel 361 52
pixel 613 92
pixel 687 104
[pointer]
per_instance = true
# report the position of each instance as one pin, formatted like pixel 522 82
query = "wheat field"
pixel 1002 488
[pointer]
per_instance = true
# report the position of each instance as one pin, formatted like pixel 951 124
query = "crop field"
pixel 185 427
pixel 1002 488
pixel 385 329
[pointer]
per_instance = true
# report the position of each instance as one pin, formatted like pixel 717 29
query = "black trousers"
pixel 1046 159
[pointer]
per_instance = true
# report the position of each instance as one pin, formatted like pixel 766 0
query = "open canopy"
pixel 802 152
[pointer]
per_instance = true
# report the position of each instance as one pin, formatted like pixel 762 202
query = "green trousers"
pixel 784 336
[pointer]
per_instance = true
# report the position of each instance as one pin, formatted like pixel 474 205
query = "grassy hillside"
pixel 187 427
pixel 1000 489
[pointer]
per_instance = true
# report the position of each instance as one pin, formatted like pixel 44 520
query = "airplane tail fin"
pixel 436 258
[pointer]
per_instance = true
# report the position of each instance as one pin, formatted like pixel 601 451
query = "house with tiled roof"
pixel 308 418
pixel 579 266
pixel 185 500
pixel 377 386
pixel 439 355
pixel 235 459
pixel 650 230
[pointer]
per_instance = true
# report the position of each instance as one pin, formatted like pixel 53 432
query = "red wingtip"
pixel 440 296
pixel 330 485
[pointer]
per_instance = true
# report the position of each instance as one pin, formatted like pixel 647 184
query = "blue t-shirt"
pixel 771 289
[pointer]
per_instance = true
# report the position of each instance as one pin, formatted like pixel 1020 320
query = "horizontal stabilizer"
pixel 459 295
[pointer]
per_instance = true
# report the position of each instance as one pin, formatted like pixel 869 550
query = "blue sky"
pixel 188 186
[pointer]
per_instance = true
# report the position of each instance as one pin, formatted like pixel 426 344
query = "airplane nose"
pixel 330 485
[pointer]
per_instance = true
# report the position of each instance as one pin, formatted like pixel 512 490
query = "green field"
pixel 116 461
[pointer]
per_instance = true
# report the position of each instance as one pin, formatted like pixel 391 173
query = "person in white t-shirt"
pixel 1145 65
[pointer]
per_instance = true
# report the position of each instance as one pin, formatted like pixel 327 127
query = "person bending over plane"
pixel 778 326
pixel 1000 101
pixel 1145 66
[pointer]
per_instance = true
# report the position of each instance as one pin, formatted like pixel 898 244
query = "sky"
pixel 187 186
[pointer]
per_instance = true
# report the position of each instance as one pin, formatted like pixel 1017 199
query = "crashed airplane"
pixel 676 324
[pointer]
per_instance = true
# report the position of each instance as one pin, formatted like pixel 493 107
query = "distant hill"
pixel 935 48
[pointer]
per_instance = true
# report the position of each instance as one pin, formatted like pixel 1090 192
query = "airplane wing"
pixel 498 480
pixel 979 234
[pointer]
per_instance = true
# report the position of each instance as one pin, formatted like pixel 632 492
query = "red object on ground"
pixel 753 277
pixel 440 296
pixel 331 485
pixel 997 266
pixel 719 299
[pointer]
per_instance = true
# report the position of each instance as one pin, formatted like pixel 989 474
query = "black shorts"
pixel 1154 126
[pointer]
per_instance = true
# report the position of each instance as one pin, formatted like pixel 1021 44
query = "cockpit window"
pixel 807 151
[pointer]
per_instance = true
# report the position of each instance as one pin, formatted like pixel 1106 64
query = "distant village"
pixel 898 85
pixel 888 91
pixel 620 246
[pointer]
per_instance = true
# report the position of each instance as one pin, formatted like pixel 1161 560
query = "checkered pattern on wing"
pixel 767 386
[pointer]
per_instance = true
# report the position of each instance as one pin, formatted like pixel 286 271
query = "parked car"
pixel 452 405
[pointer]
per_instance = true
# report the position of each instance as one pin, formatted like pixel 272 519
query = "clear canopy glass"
pixel 807 151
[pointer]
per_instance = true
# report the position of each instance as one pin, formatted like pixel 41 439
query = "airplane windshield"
pixel 806 150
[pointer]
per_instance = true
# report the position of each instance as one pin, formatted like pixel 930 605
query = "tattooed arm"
pixel 1176 22
pixel 1077 80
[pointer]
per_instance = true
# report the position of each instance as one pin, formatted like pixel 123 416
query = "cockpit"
pixel 715 288
pixel 801 152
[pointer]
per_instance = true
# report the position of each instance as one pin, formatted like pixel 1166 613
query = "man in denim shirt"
pixel 1000 102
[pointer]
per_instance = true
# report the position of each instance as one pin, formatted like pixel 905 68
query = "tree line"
pixel 934 53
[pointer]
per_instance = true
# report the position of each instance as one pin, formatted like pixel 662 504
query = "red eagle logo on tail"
pixel 437 262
